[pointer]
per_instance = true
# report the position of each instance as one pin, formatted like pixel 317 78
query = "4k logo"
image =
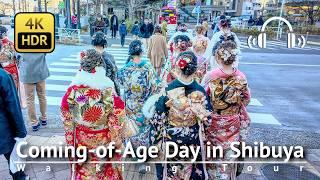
pixel 34 32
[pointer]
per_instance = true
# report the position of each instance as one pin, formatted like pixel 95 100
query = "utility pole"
pixel 279 31
pixel 45 6
pixel 68 15
pixel 39 6
pixel 14 6
pixel 78 12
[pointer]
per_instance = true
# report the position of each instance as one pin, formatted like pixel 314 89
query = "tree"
pixel 311 8
pixel 14 6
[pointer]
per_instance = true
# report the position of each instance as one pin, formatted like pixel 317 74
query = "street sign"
pixel 196 10
pixel 34 32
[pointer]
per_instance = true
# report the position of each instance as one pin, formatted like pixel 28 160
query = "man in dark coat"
pixel 114 25
pixel 11 120
pixel 150 28
pixel 144 33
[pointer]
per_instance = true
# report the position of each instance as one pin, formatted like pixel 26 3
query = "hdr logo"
pixel 34 32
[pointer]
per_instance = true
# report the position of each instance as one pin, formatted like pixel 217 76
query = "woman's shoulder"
pixel 240 74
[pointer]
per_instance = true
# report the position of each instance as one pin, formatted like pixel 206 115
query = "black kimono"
pixel 179 117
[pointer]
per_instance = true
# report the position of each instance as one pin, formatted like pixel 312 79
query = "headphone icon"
pixel 262 37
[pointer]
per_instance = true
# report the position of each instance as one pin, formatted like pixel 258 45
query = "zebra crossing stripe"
pixel 255 102
pixel 55 87
pixel 62 70
pixel 65 64
pixel 262 118
pixel 60 78
pixel 70 59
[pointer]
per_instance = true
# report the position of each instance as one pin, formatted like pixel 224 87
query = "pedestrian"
pixel 216 26
pixel 183 30
pixel 139 81
pixel 135 30
pixel 99 25
pixel 91 20
pixel 224 34
pixel 250 21
pixel 106 22
pixel 99 42
pixel 9 63
pixel 74 21
pixel 93 116
pixel 164 28
pixel 228 91
pixel 145 33
pixel 150 28
pixel 114 25
pixel 206 26
pixel 8 56
pixel 158 51
pixel 200 44
pixel 179 117
pixel 259 21
pixel 34 71
pixel 12 123
pixel 123 32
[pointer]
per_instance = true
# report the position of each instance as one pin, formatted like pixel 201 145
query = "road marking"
pixel 62 70
pixel 262 118
pixel 65 64
pixel 60 78
pixel 51 101
pixel 70 59
pixel 275 64
pixel 55 87
pixel 255 102
pixel 118 45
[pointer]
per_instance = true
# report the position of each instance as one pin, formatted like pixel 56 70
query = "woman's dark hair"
pixel 135 49
pixel 136 22
pixel 228 46
pixel 191 67
pixel 3 31
pixel 157 29
pixel 182 38
pixel 229 38
pixel 99 39
pixel 92 59
pixel 225 23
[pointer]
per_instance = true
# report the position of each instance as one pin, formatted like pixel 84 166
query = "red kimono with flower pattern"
pixel 92 118
pixel 8 60
pixel 229 95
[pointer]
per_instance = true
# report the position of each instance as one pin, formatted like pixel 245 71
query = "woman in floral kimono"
pixel 179 117
pixel 93 116
pixel 138 78
pixel 229 95
pixel 7 56
pixel 182 43
pixel 200 44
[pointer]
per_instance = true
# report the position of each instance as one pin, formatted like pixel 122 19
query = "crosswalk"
pixel 278 46
pixel 63 71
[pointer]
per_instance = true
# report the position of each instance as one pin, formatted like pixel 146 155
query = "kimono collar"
pixel 97 80
pixel 141 64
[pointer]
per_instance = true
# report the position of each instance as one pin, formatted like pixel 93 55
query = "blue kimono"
pixel 139 82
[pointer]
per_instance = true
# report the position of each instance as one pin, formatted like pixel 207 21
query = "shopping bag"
pixel 14 156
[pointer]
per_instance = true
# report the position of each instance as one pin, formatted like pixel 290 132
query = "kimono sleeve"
pixel 158 122
pixel 67 116
pixel 152 80
pixel 244 116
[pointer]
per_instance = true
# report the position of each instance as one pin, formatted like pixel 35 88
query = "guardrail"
pixel 68 36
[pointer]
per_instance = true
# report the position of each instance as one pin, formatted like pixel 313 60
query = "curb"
pixel 313 43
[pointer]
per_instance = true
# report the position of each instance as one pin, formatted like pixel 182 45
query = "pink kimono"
pixel 229 95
